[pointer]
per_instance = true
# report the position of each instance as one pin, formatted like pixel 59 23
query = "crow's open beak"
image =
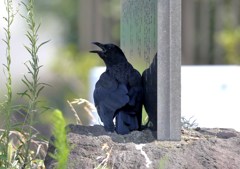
pixel 100 46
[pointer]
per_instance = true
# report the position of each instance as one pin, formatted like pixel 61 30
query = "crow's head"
pixel 110 53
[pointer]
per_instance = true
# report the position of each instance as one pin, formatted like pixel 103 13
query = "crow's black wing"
pixel 109 96
pixel 129 118
pixel 135 90
pixel 136 94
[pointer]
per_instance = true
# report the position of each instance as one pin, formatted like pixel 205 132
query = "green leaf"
pixel 29 70
pixel 25 93
pixel 4 41
pixel 40 90
pixel 28 85
pixel 43 43
pixel 30 37
pixel 28 49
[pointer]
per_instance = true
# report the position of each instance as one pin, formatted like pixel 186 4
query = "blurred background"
pixel 210 36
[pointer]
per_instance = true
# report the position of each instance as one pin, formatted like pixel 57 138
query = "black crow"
pixel 149 78
pixel 118 92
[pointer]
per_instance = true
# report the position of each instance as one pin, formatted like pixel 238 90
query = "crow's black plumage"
pixel 149 78
pixel 118 92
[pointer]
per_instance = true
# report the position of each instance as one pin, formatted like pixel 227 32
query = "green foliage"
pixel 16 139
pixel 66 12
pixel 6 107
pixel 229 39
pixel 60 142
pixel 16 151
pixel 34 87
pixel 72 63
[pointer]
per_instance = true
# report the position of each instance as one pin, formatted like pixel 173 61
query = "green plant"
pixel 19 145
pixel 60 141
pixel 229 36
pixel 15 150
pixel 229 39
pixel 7 105
pixel 79 66
pixel 32 83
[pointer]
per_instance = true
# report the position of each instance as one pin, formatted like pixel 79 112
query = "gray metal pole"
pixel 169 70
